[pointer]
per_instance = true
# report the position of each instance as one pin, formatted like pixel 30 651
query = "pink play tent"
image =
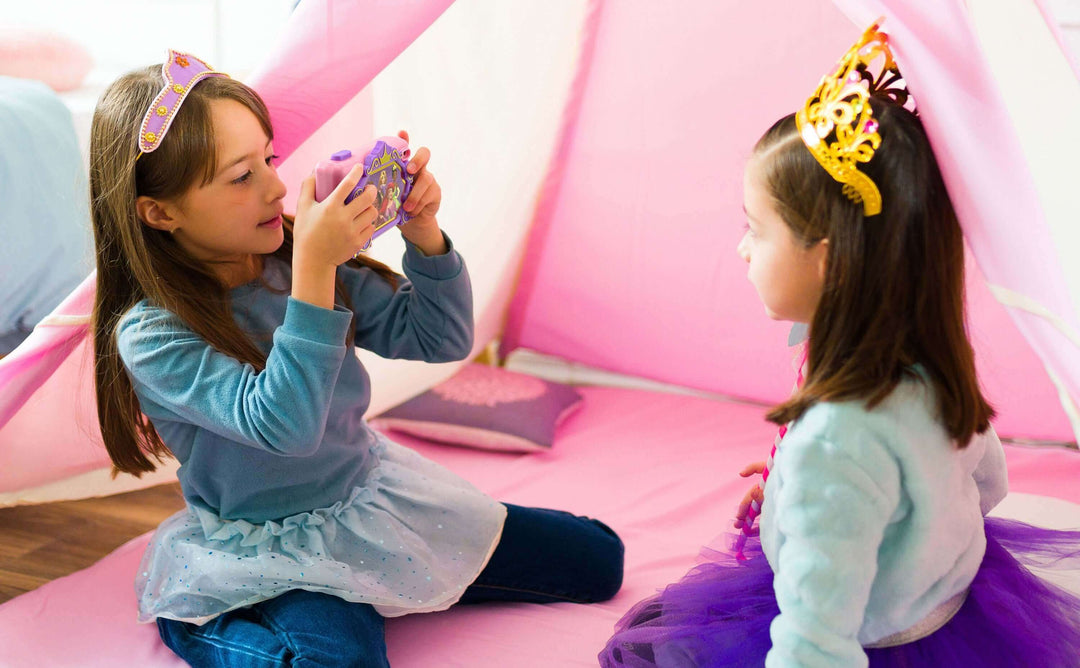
pixel 592 156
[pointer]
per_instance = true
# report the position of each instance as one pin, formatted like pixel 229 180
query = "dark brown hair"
pixel 893 292
pixel 136 262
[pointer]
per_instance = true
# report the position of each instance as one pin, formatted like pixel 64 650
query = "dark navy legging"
pixel 543 556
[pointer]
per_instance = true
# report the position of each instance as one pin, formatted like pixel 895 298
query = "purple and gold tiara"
pixel 181 72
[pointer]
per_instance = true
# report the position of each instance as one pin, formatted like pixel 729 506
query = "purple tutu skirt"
pixel 719 613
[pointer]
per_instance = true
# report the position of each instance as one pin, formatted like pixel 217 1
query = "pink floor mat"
pixel 660 469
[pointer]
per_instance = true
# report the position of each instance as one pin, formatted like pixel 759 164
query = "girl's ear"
pixel 821 258
pixel 156 214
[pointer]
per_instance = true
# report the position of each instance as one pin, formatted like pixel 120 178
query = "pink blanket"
pixel 661 469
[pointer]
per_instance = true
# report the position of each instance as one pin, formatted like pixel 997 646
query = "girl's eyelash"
pixel 247 175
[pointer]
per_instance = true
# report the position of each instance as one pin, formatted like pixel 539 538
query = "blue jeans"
pixel 544 556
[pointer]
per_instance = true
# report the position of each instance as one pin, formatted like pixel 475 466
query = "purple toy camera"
pixel 384 167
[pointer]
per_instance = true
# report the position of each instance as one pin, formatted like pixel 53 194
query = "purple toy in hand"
pixel 384 167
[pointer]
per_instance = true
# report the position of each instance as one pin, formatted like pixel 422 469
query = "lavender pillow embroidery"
pixel 486 407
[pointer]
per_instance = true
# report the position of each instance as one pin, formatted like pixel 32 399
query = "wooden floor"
pixel 42 542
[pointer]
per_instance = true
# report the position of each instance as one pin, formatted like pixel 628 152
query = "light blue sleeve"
pixel 430 315
pixel 840 486
pixel 178 376
pixel 991 475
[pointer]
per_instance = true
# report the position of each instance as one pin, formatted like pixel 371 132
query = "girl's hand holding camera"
pixel 331 232
pixel 326 234
pixel 421 229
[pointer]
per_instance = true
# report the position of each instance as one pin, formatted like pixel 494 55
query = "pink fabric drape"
pixel 637 271
pixel 331 49
pixel 48 419
pixel 29 365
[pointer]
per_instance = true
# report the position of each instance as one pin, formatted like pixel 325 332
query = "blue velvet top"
pixel 265 445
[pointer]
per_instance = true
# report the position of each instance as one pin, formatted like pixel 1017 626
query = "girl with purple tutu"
pixel 874 545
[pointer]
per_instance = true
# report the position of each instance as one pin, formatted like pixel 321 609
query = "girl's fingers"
pixel 364 231
pixel 430 202
pixel 365 200
pixel 744 507
pixel 751 469
pixel 754 494
pixel 365 218
pixel 347 184
pixel 419 160
pixel 307 192
pixel 419 189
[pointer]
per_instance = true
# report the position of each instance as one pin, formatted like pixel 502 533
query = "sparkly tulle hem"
pixel 411 539
pixel 719 613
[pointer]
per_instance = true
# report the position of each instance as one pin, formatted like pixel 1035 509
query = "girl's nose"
pixel 743 249
pixel 277 188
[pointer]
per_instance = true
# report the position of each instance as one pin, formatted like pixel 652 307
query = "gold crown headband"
pixel 837 124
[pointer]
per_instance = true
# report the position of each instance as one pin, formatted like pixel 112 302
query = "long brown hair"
pixel 893 293
pixel 136 262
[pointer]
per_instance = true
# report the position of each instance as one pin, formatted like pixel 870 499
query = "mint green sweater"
pixel 872 518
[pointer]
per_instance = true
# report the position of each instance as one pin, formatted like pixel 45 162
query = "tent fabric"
pixel 682 455
pixel 1059 37
pixel 484 87
pixel 329 52
pixel 637 272
pixel 653 174
pixel 48 423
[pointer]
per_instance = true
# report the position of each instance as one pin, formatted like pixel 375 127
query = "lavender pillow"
pixel 486 407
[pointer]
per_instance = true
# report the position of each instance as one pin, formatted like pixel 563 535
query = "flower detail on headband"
pixel 181 72
pixel 837 124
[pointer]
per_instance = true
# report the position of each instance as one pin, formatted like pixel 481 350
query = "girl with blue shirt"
pixel 874 548
pixel 223 337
